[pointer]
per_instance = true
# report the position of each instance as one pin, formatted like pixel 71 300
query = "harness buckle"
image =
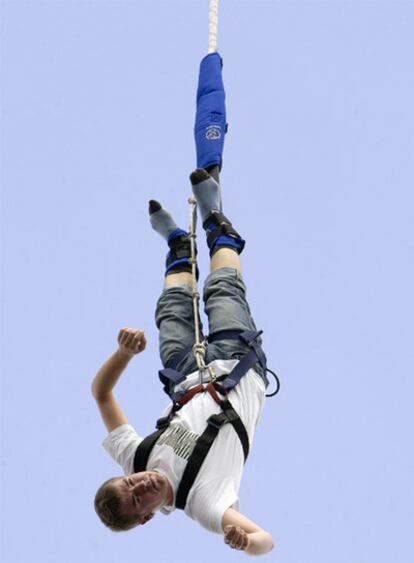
pixel 217 420
pixel 250 337
pixel 213 377
pixel 163 422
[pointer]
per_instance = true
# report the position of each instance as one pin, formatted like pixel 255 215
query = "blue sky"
pixel 97 108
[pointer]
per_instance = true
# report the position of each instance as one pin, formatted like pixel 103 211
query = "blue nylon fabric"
pixel 175 234
pixel 173 363
pixel 225 240
pixel 210 122
pixel 170 377
pixel 177 262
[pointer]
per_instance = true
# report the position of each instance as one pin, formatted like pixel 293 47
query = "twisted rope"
pixel 212 26
pixel 199 349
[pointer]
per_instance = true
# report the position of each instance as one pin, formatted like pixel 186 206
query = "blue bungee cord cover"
pixel 210 123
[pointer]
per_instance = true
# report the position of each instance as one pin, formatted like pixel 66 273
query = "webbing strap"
pixel 144 450
pixel 224 335
pixel 238 426
pixel 203 445
pixel 175 360
pixel 247 362
pixel 190 394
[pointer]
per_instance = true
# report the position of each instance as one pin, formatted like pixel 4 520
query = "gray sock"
pixel 207 194
pixel 161 220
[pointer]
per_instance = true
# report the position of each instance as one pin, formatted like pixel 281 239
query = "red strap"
pixel 190 394
pixel 213 393
pixel 198 389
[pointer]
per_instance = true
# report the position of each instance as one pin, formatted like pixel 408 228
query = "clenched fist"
pixel 131 341
pixel 236 537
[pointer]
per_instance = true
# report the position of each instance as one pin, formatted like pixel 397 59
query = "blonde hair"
pixel 108 506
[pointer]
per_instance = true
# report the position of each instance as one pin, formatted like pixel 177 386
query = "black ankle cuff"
pixel 179 257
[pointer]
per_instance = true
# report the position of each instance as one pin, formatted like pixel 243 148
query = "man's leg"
pixel 224 291
pixel 174 312
pixel 226 306
pixel 183 278
pixel 225 258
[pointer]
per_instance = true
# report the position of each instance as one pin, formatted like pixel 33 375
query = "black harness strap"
pixel 145 447
pixel 144 450
pixel 203 445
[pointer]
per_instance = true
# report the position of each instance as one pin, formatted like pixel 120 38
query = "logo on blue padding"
pixel 213 132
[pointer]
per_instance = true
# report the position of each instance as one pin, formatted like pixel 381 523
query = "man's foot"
pixel 161 220
pixel 154 206
pixel 198 176
pixel 206 191
pixel 178 257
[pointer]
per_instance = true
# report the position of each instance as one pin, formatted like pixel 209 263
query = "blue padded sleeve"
pixel 210 122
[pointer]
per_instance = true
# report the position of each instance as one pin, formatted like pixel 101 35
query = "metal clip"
pixel 211 373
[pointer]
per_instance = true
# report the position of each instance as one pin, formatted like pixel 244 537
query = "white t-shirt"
pixel 217 484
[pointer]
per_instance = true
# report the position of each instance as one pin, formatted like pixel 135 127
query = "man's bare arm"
pixel 131 342
pixel 243 534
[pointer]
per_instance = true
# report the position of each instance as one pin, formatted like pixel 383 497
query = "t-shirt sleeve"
pixel 208 506
pixel 215 518
pixel 121 445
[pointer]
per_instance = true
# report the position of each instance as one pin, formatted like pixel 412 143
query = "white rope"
pixel 212 26
pixel 199 349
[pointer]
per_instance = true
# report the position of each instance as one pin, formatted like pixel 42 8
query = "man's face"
pixel 142 494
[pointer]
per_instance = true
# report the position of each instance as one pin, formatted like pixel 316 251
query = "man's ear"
pixel 147 518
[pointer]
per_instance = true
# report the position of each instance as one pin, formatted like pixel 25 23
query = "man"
pixel 125 502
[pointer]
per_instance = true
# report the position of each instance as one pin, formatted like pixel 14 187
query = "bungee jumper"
pixel 217 383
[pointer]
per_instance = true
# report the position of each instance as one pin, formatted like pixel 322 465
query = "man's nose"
pixel 139 487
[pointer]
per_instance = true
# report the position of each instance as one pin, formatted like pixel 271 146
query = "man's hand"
pixel 242 533
pixel 131 341
pixel 236 537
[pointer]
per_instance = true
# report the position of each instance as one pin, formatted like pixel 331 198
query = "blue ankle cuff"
pixel 175 234
pixel 176 263
pixel 225 240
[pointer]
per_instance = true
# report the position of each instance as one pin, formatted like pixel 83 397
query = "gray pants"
pixel 226 308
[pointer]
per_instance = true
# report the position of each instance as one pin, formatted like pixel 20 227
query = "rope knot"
pixel 199 348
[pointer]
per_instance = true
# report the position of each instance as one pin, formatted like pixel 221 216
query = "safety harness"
pixel 222 385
